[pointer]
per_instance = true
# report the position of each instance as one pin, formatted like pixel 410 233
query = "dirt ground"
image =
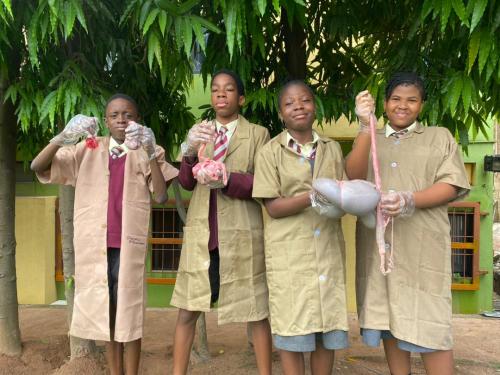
pixel 46 350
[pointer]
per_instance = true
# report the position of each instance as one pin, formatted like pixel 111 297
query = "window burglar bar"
pixel 166 239
pixel 464 231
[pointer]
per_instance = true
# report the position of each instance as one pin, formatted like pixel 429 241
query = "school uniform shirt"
pixel 87 170
pixel 414 300
pixel 243 290
pixel 305 252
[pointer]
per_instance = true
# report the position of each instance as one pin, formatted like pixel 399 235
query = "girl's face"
pixel 297 108
pixel 226 101
pixel 119 113
pixel 403 106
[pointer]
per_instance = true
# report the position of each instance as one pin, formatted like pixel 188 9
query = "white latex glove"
pixel 138 135
pixel 77 128
pixel 365 106
pixel 398 203
pixel 203 132
pixel 323 207
pixel 205 179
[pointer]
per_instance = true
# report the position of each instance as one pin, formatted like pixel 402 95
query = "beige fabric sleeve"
pixel 266 182
pixel 452 170
pixel 63 169
pixel 169 171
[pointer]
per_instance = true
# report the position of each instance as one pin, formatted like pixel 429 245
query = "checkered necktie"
pixel 220 147
pixel 296 147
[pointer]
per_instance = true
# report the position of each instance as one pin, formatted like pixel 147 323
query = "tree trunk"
pixel 295 54
pixel 10 340
pixel 200 352
pixel 79 347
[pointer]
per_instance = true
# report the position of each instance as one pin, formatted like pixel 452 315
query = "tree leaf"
pixel 153 46
pixel 261 6
pixel 276 6
pixel 460 11
pixel 69 19
pixel 149 20
pixel 77 6
pixel 168 6
pixel 474 42
pixel 162 21
pixel 49 107
pixel 427 8
pixel 144 13
pixel 187 35
pixel 454 94
pixel 486 43
pixel 8 6
pixel 207 24
pixel 187 6
pixel 230 22
pixel 445 14
pixel 477 13
pixel 200 37
pixel 466 93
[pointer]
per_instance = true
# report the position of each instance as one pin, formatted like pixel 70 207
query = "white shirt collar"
pixel 231 127
pixel 113 144
pixel 390 131
pixel 314 134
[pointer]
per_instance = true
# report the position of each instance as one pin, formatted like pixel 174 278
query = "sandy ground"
pixel 45 348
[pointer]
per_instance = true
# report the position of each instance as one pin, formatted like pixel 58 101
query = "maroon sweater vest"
pixel 115 200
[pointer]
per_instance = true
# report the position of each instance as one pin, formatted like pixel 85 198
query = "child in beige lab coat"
pixel 304 251
pixel 113 185
pixel 222 258
pixel 421 171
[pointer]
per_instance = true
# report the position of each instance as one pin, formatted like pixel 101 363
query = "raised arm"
pixel 43 160
pixel 78 127
pixel 356 163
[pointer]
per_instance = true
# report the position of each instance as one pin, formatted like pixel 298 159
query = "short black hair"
pixel 292 82
pixel 124 97
pixel 234 76
pixel 405 79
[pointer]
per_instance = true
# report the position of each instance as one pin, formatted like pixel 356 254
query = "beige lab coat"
pixel 87 170
pixel 305 253
pixel 414 301
pixel 243 290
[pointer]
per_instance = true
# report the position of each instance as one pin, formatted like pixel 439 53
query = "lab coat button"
pixel 322 278
pixel 394 164
pixel 317 232
pixel 206 263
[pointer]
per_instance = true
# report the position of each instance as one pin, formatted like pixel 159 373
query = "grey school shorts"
pixel 332 340
pixel 372 337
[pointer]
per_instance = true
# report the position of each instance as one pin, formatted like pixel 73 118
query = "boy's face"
pixel 118 114
pixel 225 98
pixel 403 106
pixel 297 108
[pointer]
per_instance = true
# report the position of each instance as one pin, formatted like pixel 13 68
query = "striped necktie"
pixel 220 147
pixel 116 151
pixel 296 147
pixel 399 133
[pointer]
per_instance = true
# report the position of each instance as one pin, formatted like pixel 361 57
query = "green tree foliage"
pixel 342 47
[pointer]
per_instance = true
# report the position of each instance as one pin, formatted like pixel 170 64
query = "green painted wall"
pixel 470 302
